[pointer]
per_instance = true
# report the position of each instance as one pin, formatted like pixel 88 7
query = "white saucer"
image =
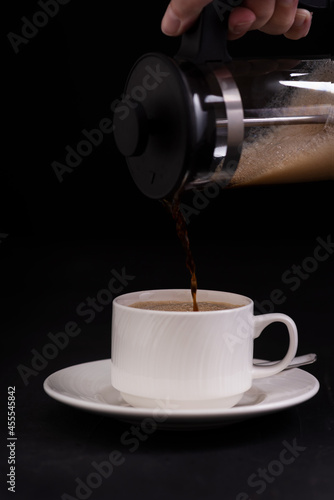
pixel 87 386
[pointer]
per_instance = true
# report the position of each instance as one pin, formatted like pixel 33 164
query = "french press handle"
pixel 206 40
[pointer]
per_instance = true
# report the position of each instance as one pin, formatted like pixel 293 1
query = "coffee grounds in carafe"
pixel 292 153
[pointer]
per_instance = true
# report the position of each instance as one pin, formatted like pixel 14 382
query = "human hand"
pixel 274 17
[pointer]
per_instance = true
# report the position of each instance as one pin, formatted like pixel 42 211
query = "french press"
pixel 183 122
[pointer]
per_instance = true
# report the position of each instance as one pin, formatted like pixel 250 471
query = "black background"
pixel 60 241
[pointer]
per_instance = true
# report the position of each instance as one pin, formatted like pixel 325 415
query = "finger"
pixel 301 25
pixel 282 18
pixel 180 15
pixel 240 21
pixel 263 11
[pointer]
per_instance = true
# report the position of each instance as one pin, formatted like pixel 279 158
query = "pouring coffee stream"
pixel 201 118
pixel 182 232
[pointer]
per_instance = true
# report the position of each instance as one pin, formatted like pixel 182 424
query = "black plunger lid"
pixel 159 128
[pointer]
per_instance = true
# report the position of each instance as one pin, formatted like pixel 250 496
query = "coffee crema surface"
pixel 182 306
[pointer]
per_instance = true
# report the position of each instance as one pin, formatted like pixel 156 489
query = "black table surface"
pixel 57 446
pixel 60 242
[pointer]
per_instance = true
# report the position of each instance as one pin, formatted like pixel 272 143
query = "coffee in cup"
pixel 179 306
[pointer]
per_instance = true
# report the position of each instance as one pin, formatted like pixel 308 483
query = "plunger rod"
pixel 279 120
pixel 281 116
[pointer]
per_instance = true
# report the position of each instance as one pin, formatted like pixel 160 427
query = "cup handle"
pixel 260 322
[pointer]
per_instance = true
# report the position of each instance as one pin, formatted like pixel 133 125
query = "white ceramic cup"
pixel 176 359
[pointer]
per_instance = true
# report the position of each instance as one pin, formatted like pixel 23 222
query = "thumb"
pixel 180 15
